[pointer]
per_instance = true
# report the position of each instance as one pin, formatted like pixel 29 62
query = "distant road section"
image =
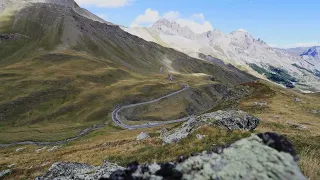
pixel 117 120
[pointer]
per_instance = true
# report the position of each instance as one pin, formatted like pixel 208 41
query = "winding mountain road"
pixel 115 118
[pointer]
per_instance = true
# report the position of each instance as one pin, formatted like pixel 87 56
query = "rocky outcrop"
pixel 263 156
pixel 315 111
pixel 143 136
pixel 12 37
pixel 67 171
pixel 231 120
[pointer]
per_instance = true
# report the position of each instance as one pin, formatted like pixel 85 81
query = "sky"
pixel 280 23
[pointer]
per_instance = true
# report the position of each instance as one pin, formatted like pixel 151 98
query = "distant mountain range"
pixel 297 51
pixel 238 48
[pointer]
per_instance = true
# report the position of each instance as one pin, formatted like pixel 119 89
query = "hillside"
pixel 238 48
pixel 62 72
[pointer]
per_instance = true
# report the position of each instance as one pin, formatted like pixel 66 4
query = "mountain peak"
pixel 173 28
pixel 313 52
pixel 166 23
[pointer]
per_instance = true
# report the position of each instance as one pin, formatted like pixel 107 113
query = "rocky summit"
pixel 231 120
pixel 263 156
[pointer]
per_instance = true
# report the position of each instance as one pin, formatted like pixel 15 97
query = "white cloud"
pixel 199 16
pixel 171 15
pixel 300 44
pixel 150 16
pixel 196 22
pixel 105 3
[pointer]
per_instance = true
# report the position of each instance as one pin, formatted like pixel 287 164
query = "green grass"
pixel 155 152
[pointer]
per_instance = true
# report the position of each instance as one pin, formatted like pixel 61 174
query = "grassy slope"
pixel 68 72
pixel 120 146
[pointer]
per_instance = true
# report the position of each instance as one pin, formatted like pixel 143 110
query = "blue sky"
pixel 285 23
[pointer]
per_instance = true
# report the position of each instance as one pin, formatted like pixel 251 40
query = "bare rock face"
pixel 231 120
pixel 267 156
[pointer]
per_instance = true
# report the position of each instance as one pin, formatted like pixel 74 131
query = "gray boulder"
pixel 143 136
pixel 297 100
pixel 67 171
pixel 4 173
pixel 231 120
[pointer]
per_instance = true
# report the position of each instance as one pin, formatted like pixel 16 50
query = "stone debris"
pixel 20 149
pixel 260 104
pixel 41 149
pixel 267 156
pixel 200 137
pixel 296 125
pixel 231 120
pixel 297 100
pixel 143 136
pixel 54 148
pixel 44 164
pixel 11 166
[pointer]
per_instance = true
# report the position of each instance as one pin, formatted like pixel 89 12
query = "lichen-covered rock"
pixel 267 156
pixel 143 136
pixel 231 120
pixel 67 171
pixel 263 156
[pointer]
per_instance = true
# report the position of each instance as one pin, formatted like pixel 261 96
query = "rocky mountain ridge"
pixel 239 48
